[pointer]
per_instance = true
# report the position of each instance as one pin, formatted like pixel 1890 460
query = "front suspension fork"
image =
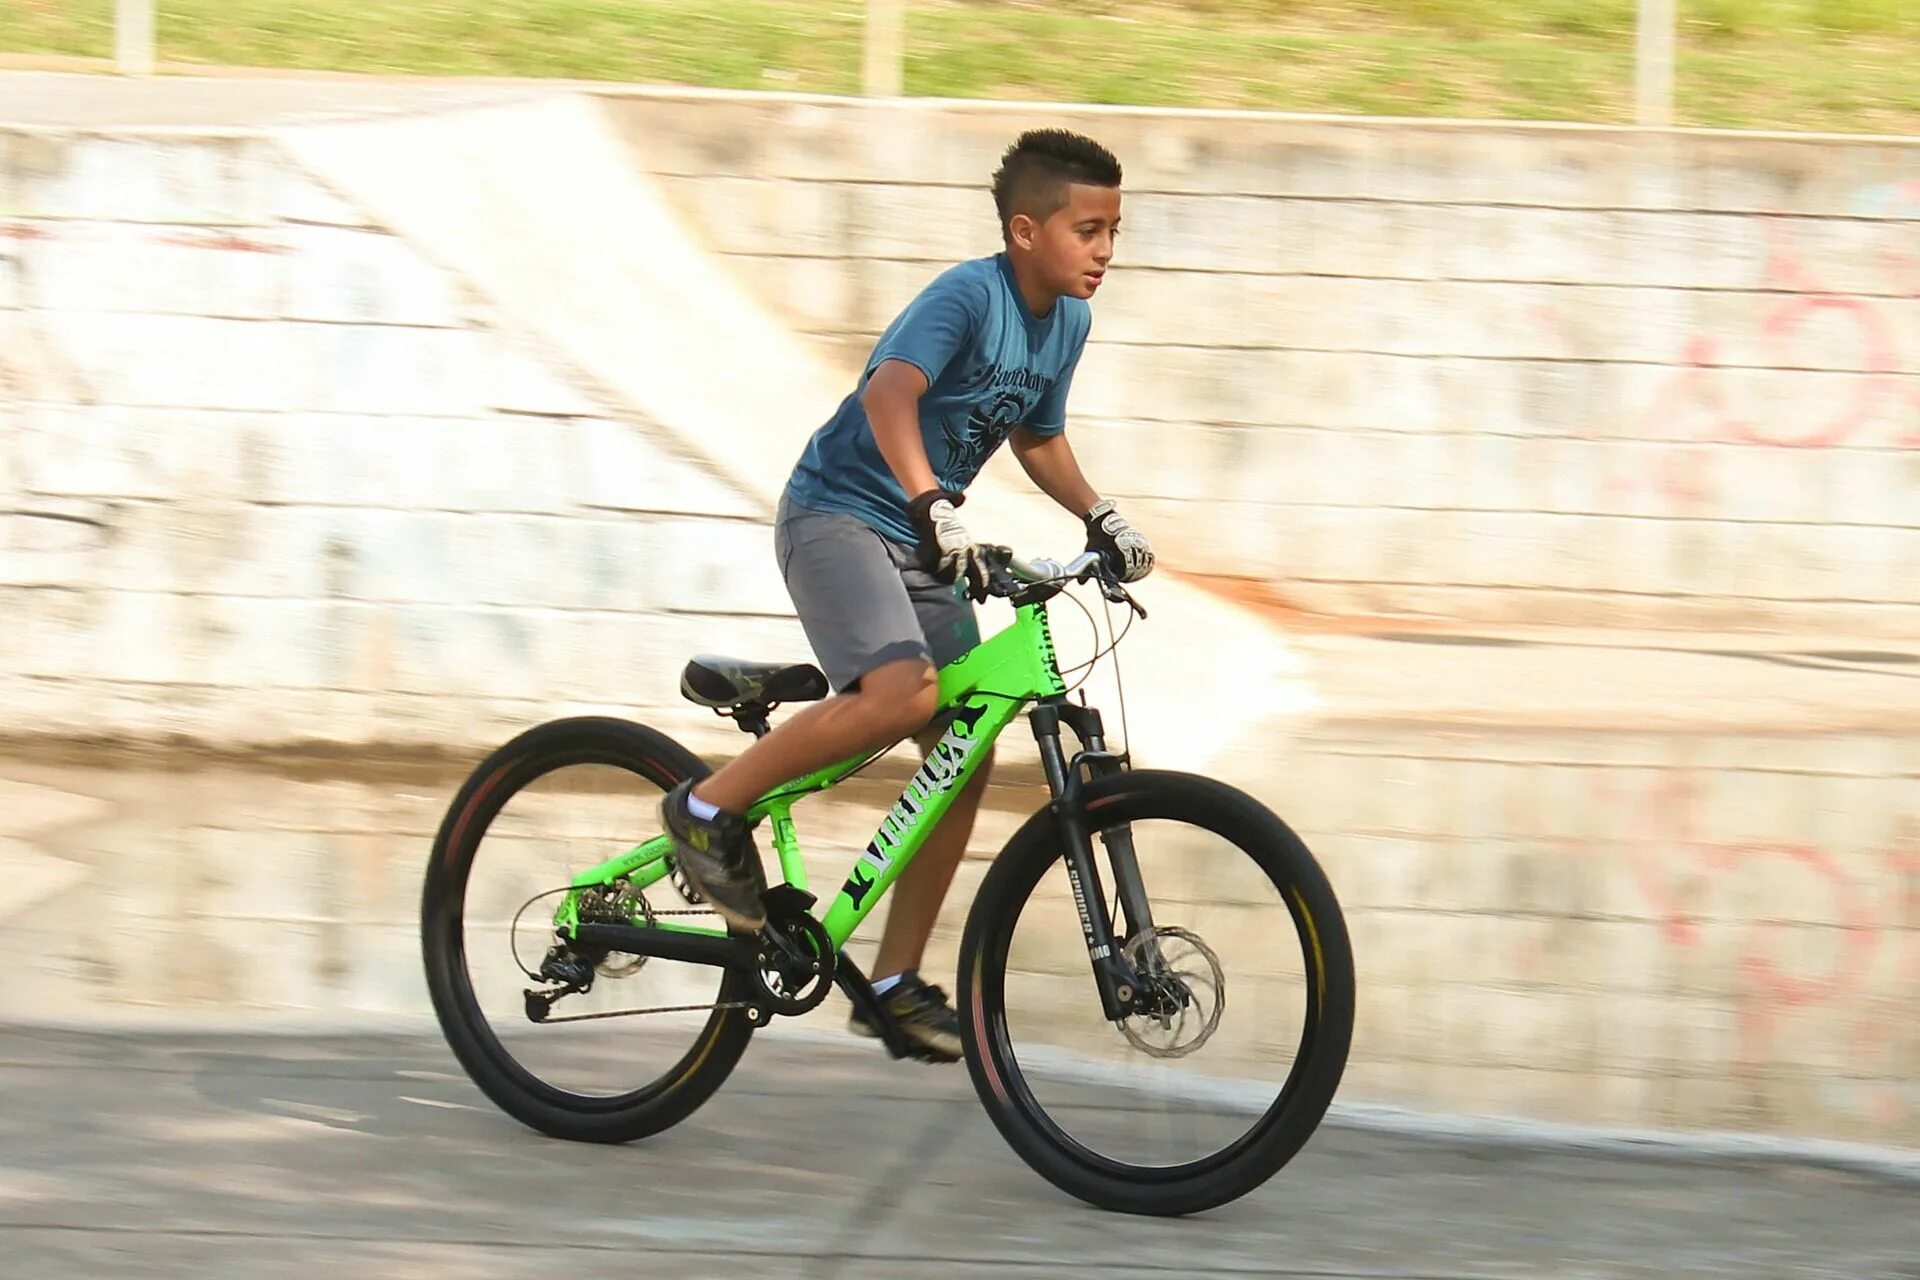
pixel 1119 985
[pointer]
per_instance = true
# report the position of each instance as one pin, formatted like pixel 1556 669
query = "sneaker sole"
pixel 918 1052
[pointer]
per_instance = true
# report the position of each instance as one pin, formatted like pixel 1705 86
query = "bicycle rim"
pixel 1227 1081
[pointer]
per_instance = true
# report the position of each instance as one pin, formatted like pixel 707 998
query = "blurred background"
pixel 1523 397
pixel 1828 65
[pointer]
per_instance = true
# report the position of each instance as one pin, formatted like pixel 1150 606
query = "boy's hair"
pixel 1035 171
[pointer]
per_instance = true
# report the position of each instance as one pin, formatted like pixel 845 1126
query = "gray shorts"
pixel 863 599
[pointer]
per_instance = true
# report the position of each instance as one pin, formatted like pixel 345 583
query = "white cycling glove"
pixel 1119 543
pixel 946 549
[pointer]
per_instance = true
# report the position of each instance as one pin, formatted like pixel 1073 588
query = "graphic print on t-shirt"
pixel 1011 395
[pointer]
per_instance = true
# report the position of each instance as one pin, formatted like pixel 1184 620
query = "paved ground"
pixel 173 1156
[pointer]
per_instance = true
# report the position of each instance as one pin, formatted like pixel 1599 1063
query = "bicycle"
pixel 1157 991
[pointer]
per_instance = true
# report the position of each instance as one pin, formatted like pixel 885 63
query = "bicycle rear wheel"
pixel 556 800
pixel 1247 987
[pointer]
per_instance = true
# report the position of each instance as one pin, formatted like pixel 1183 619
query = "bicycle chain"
pixel 628 1013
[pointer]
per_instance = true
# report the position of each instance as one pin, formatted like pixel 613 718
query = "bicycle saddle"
pixel 731 682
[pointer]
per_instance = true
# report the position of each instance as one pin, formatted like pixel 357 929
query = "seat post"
pixel 753 719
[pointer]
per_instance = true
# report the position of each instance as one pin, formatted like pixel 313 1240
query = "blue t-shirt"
pixel 991 365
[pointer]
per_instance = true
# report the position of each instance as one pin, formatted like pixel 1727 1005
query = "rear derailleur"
pixel 570 968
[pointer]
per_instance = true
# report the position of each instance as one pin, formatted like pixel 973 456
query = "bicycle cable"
pixel 1119 683
pixel 1100 653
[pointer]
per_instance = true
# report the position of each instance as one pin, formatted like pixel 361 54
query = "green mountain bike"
pixel 1094 968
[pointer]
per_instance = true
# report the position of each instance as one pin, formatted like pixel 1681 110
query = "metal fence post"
pixel 884 49
pixel 1653 64
pixel 133 37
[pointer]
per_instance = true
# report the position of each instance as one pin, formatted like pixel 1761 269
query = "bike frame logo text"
pixel 939 774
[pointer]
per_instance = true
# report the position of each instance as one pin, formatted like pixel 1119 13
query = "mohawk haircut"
pixel 1036 170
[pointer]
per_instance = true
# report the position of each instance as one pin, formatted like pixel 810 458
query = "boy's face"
pixel 1071 248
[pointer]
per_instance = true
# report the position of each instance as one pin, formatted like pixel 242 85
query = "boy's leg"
pixel 862 623
pixel 914 903
pixel 890 703
pixel 920 1011
pixel 713 846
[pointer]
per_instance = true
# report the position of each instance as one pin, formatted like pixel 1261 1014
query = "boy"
pixel 882 572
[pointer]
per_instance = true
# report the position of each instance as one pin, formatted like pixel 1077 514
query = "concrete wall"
pixel 276 475
pixel 1696 931
pixel 1705 929
pixel 272 475
pixel 1514 373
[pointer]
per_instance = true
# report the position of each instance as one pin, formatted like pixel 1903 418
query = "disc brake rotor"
pixel 1184 989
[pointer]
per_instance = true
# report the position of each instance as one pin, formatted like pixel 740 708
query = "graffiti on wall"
pixel 1861 907
pixel 1797 312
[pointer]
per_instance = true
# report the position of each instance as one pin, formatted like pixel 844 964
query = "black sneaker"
pixel 925 1019
pixel 717 855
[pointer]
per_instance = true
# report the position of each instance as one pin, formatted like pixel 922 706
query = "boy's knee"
pixel 903 696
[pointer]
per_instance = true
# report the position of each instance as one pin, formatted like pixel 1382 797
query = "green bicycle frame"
pixel 981 693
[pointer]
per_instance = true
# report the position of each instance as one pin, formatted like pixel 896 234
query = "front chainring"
pixel 794 964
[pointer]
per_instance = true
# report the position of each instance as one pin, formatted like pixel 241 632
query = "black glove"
pixel 1126 553
pixel 946 550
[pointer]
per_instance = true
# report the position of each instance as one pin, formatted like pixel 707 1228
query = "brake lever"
pixel 1119 595
pixel 1000 581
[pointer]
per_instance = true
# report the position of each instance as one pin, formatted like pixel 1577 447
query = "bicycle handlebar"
pixel 1045 570
pixel 1088 565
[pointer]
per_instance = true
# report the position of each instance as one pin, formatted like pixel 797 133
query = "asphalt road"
pixel 174 1155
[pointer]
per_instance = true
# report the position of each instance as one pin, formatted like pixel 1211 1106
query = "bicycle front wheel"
pixel 1243 1021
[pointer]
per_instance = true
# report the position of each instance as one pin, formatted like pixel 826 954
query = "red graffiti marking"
pixel 1778 991
pixel 1664 820
pixel 228 242
pixel 1785 271
pixel 1691 412
pixel 1671 864
pixel 1780 325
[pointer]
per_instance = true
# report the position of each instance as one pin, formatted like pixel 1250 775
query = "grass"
pixel 1786 64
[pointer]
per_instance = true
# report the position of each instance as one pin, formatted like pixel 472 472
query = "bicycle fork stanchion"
pixel 1134 908
pixel 1117 983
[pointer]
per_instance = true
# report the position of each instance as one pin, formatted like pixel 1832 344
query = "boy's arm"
pixel 892 402
pixel 1050 462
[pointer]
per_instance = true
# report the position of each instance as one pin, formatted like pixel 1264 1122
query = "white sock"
pixel 883 985
pixel 701 809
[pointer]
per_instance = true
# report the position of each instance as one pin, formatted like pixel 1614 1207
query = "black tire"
pixel 562 1113
pixel 1277 1134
